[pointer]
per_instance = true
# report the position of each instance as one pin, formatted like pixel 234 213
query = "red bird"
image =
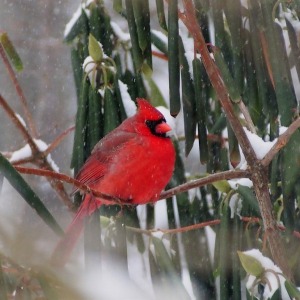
pixel 133 163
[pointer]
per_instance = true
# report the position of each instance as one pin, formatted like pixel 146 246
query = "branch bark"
pixel 258 172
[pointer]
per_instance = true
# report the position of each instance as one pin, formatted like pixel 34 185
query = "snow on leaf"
pixel 22 153
pixel 234 183
pixel 271 277
pixel 122 36
pixel 129 106
pixel 260 147
pixel 25 152
pixel 21 120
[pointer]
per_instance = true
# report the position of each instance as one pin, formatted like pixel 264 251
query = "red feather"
pixel 133 163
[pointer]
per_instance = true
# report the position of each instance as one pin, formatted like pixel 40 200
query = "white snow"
pixel 282 129
pixel 21 120
pixel 75 17
pixel 161 36
pixel 129 105
pixel 234 183
pixel 235 205
pixel 260 147
pixel 25 152
pixel 22 153
pixel 89 67
pixel 122 36
pixel 269 289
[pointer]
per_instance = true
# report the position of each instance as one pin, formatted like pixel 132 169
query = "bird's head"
pixel 154 120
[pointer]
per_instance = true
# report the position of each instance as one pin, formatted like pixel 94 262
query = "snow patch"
pixel 272 279
pixel 25 152
pixel 122 36
pixel 129 105
pixel 75 17
pixel 21 120
pixel 260 147
pixel 234 183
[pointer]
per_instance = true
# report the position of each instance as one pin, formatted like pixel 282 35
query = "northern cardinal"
pixel 132 163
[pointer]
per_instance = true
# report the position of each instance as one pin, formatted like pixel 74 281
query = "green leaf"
pixel 161 14
pixel 80 151
pixel 95 50
pixel 164 262
pixel 200 82
pixel 222 186
pixel 250 199
pixel 80 26
pixel 159 43
pixel 3 287
pixel 11 51
pixel 111 116
pixel 173 55
pixel 292 289
pixel 156 96
pixel 95 118
pixel 251 265
pixel 48 290
pixel 227 77
pixel 20 185
pixel 117 5
pixel 188 101
pixel 136 50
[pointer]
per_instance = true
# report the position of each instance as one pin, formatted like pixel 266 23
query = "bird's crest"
pixel 147 111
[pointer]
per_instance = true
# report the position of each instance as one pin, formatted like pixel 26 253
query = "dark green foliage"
pixel 21 186
pixel 250 53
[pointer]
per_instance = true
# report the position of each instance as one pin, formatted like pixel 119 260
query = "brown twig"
pixel 175 230
pixel 38 156
pixel 58 140
pixel 199 226
pixel 226 175
pixel 214 74
pixel 19 90
pixel 247 116
pixel 160 55
pixel 18 124
pixel 259 174
pixel 281 142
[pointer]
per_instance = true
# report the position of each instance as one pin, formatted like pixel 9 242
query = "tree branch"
pixel 226 175
pixel 281 142
pixel 19 90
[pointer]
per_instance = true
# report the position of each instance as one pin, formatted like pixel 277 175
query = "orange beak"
pixel 162 128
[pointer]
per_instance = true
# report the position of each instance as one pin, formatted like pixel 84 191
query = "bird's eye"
pixel 151 124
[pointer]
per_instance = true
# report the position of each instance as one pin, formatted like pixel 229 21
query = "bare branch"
pixel 281 142
pixel 226 175
pixel 18 124
pixel 58 140
pixel 19 90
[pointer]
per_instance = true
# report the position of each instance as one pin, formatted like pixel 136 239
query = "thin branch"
pixel 160 55
pixel 247 116
pixel 18 124
pixel 38 157
pixel 213 72
pixel 58 140
pixel 175 230
pixel 281 142
pixel 19 90
pixel 226 175
pixel 199 226
pixel 259 174
pixel 65 178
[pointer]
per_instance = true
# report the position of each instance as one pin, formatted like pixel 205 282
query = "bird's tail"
pixel 67 243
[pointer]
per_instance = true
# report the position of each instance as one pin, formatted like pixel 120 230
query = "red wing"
pixel 96 165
